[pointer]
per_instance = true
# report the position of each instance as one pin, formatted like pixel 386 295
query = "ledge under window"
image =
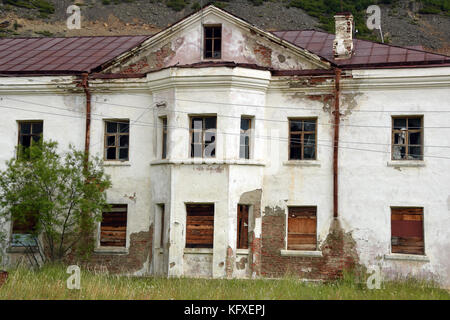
pixel 21 249
pixel 111 250
pixel 198 250
pixel 110 163
pixel 242 251
pixel 406 163
pixel 301 253
pixel 406 257
pixel 209 161
pixel 302 163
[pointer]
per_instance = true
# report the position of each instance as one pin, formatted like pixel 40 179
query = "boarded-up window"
pixel 117 138
pixel 407 138
pixel 407 230
pixel 302 225
pixel 114 226
pixel 199 225
pixel 242 226
pixel 302 139
pixel 22 231
pixel 213 42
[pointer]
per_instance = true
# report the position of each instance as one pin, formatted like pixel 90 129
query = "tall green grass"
pixel 50 283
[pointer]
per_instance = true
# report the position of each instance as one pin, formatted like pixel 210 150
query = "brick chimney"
pixel 343 42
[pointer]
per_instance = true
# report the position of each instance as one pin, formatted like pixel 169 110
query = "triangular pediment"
pixel 242 43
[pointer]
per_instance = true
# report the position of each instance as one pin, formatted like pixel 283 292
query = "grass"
pixel 50 283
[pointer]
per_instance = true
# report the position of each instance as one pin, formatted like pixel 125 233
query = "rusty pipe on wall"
pixel 85 85
pixel 337 115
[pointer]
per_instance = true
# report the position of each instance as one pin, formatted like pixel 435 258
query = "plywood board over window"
pixel 113 228
pixel 199 225
pixel 407 230
pixel 302 226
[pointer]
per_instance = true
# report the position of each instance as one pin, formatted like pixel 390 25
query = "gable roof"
pixel 366 53
pixel 61 55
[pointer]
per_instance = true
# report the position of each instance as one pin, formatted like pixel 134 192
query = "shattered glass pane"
pixel 295 140
pixel 123 153
pixel 124 127
pixel 310 140
pixel 399 152
pixel 310 125
pixel 296 125
pixel 399 138
pixel 415 153
pixel 111 141
pixel 309 153
pixel 124 141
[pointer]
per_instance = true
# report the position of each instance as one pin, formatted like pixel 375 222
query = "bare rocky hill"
pixel 401 23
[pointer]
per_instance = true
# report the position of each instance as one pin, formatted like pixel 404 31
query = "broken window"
pixel 242 226
pixel 113 228
pixel 407 138
pixel 302 139
pixel 199 225
pixel 117 137
pixel 244 144
pixel 164 138
pixel 23 231
pixel 30 132
pixel 407 230
pixel 213 42
pixel 302 225
pixel 203 137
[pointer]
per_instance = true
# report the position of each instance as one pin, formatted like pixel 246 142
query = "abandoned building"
pixel 237 152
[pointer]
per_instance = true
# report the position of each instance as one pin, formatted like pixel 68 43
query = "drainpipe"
pixel 85 85
pixel 337 90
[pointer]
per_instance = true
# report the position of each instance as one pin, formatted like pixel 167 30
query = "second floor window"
pixel 213 42
pixel 117 137
pixel 302 139
pixel 244 147
pixel 30 132
pixel 407 138
pixel 203 137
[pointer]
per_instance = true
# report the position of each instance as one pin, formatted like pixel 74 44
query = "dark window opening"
pixel 199 225
pixel 23 231
pixel 242 226
pixel 203 137
pixel 407 231
pixel 244 144
pixel 164 138
pixel 113 228
pixel 117 139
pixel 30 133
pixel 162 221
pixel 302 139
pixel 213 42
pixel 407 138
pixel 302 226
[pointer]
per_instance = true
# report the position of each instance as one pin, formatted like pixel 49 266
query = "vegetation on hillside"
pixel 50 283
pixel 45 7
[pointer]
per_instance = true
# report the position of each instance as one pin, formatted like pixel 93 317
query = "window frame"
pixel 19 135
pixel 203 132
pixel 242 243
pixel 117 136
pixel 115 205
pixel 250 136
pixel 302 133
pixel 205 26
pixel 164 132
pixel 407 131
pixel 193 245
pixel 13 243
pixel 287 227
pixel 392 208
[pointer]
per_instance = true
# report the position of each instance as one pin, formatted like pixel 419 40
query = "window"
pixel 242 226
pixel 213 42
pixel 117 137
pixel 407 230
pixel 407 138
pixel 199 225
pixel 30 132
pixel 161 209
pixel 164 138
pixel 203 137
pixel 113 228
pixel 302 139
pixel 302 225
pixel 22 231
pixel 244 145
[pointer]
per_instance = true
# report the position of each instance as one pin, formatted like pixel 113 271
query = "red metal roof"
pixel 62 55
pixel 366 53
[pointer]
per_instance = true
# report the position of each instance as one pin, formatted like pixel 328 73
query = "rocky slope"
pixel 402 23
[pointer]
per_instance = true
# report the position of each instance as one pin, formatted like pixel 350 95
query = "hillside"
pixel 404 22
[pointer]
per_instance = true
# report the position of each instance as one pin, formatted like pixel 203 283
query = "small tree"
pixel 64 196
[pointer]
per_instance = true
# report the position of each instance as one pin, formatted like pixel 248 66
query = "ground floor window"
pixel 199 225
pixel 302 226
pixel 113 228
pixel 22 231
pixel 407 230
pixel 242 226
